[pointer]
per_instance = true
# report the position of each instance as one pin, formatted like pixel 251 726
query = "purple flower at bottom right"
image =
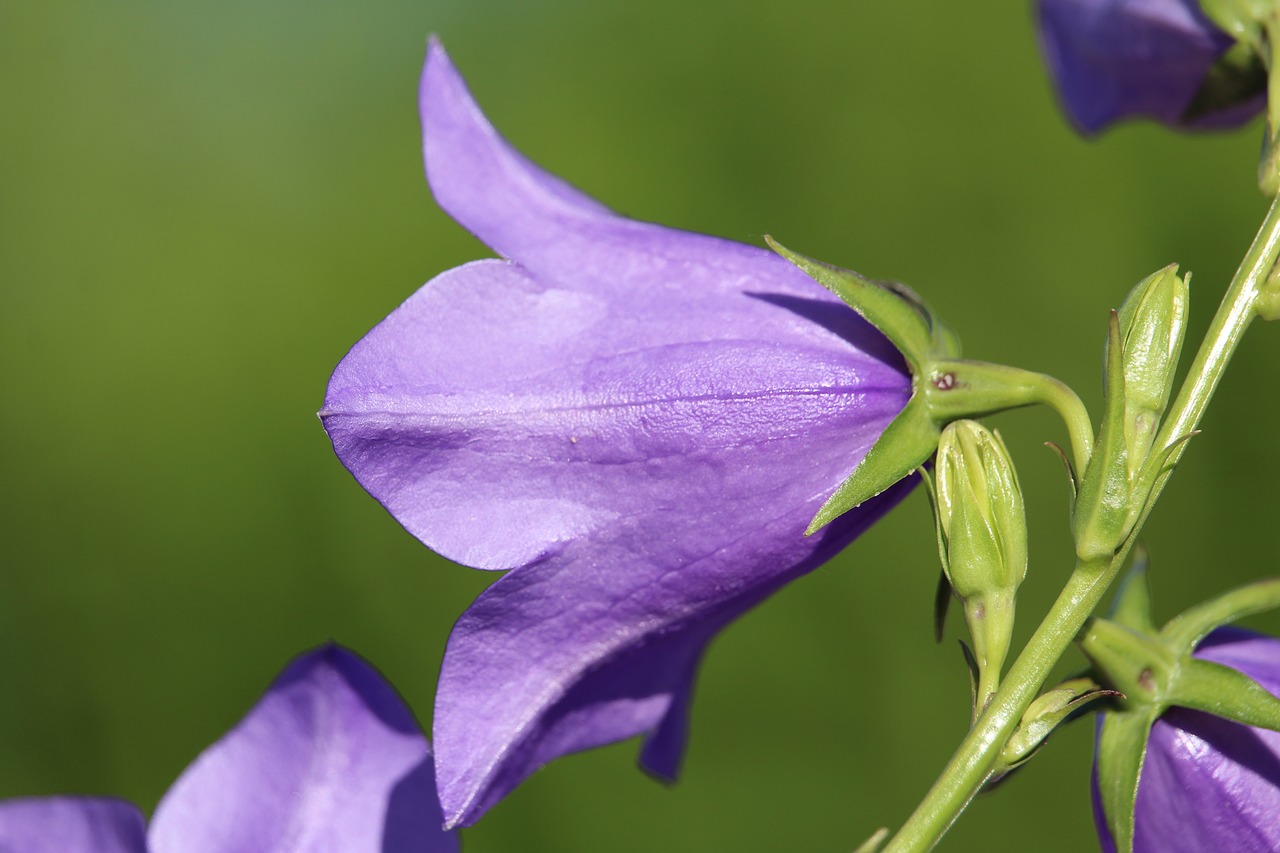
pixel 1208 783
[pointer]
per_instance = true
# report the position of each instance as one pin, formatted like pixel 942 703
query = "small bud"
pixel 1144 339
pixel 983 531
pixel 1153 320
pixel 1045 714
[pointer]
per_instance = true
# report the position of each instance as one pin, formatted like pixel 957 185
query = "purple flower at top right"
pixel 1157 59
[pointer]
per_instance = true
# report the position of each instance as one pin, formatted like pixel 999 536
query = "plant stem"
pixel 973 762
pixel 976 757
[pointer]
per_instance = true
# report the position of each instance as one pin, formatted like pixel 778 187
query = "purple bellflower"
pixel 1209 783
pixel 329 761
pixel 1117 59
pixel 638 422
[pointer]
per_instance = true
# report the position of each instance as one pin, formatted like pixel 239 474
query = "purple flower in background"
pixel 329 761
pixel 1116 59
pixel 1209 783
pixel 639 421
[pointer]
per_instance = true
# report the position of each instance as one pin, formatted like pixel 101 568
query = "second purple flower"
pixel 1158 59
pixel 639 422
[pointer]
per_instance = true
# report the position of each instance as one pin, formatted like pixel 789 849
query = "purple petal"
pixel 602 642
pixel 330 759
pixel 1116 59
pixel 642 421
pixel 71 825
pixel 1209 783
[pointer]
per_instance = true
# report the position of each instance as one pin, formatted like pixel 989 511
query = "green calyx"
pixel 1144 340
pixel 1155 670
pixel 944 387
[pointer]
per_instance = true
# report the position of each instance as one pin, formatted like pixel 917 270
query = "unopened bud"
pixel 1153 320
pixel 984 537
pixel 1045 714
pixel 1143 343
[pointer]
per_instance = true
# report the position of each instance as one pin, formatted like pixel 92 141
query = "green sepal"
pixel 943 387
pixel 1187 629
pixel 1224 692
pixel 1049 710
pixel 1102 504
pixel 893 308
pixel 942 593
pixel 903 447
pixel 1136 664
pixel 873 844
pixel 1072 482
pixel 902 317
pixel 1122 748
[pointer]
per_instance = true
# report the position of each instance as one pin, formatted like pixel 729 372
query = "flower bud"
pixel 983 532
pixel 1143 343
pixel 1046 713
pixel 1153 320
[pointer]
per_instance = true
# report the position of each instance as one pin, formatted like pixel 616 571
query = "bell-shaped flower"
pixel 1209 783
pixel 329 761
pixel 1158 59
pixel 639 422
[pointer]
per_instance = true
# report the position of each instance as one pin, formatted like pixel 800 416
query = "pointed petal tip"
pixel 438 71
pixel 658 775
pixel 437 56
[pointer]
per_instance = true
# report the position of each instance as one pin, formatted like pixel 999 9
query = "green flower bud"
pixel 1153 320
pixel 1143 343
pixel 1045 714
pixel 983 536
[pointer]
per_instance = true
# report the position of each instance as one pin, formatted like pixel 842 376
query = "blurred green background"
pixel 203 205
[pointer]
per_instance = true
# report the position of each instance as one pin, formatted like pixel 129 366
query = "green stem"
pixel 1239 307
pixel 961 388
pixel 973 762
pixel 1059 397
